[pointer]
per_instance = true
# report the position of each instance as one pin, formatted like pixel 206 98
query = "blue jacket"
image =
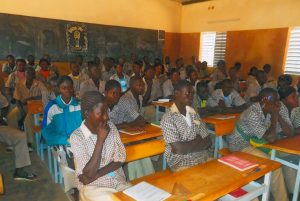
pixel 65 119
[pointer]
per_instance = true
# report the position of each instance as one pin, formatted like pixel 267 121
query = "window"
pixel 212 47
pixel 292 62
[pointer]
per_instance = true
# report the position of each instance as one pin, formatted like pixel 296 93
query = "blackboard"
pixel 21 36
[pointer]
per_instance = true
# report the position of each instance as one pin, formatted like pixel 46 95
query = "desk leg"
pixel 267 182
pixel 156 114
pixel 273 154
pixel 297 183
pixel 216 147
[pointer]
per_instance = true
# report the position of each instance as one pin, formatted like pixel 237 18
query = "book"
pixel 132 131
pixel 238 193
pixel 237 163
pixel 144 191
pixel 225 117
pixel 162 100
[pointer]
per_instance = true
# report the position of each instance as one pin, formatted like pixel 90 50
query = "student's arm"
pixel 147 95
pixel 271 133
pixel 21 109
pixel 196 145
pixel 287 128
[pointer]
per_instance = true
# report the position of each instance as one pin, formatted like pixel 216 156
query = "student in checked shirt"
pixel 187 140
pixel 98 151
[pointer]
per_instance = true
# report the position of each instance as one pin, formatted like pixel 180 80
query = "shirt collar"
pixel 86 132
pixel 189 109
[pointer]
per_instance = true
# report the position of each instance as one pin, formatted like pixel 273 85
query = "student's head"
pixel 288 95
pixel 158 70
pixel 267 68
pixel 119 69
pixel 94 72
pixel 202 90
pixel 133 57
pixel 233 73
pixel 227 87
pixel 137 85
pixel 237 66
pixel 284 81
pixel 30 73
pixel 184 92
pixel 10 59
pixel 253 71
pixel 149 73
pixel 44 64
pixel 79 59
pixel 157 61
pixel 203 65
pixel 97 60
pixel 53 72
pixel 52 85
pixel 268 98
pixel 221 65
pixel 112 92
pixel 65 87
pixel 75 68
pixel 21 65
pixel 137 67
pixel 94 109
pixel 174 76
pixel 30 59
pixel 261 77
pixel 192 75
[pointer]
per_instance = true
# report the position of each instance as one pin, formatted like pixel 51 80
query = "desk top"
pixel 288 145
pixel 207 181
pixel 1 185
pixel 163 104
pixel 151 132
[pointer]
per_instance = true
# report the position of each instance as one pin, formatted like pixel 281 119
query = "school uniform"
pixel 127 110
pixel 203 73
pixel 179 128
pixel 14 78
pixel 7 69
pixel 83 143
pixel 168 89
pixel 76 83
pixel 295 117
pixel 89 85
pixel 250 80
pixel 253 90
pixel 124 82
pixel 218 75
pixel 199 103
pixel 232 100
pixel 253 123
pixel 84 73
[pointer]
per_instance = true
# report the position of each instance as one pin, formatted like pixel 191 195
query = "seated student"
pixel 15 77
pixel 168 86
pixel 52 91
pixel 185 134
pixel 10 66
pixel 152 87
pixel 271 82
pixel 17 139
pixel 192 75
pixel 137 68
pixel 43 73
pixel 251 76
pixel 98 151
pixel 262 122
pixel 179 65
pixel 107 68
pixel 61 116
pixel 255 87
pixel 121 77
pixel 75 76
pixel 234 77
pixel 203 72
pixel 31 62
pixel 167 64
pixel 227 99
pixel 219 74
pixel 284 81
pixel 94 83
pixel 29 89
pixel 159 74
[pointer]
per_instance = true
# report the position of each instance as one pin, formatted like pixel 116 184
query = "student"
pixel 62 116
pixel 262 122
pixel 10 66
pixel 31 62
pixel 234 77
pixel 237 66
pixel 168 86
pixel 121 77
pixel 43 72
pixel 98 151
pixel 185 134
pixel 128 65
pixel 107 68
pixel 152 86
pixel 251 76
pixel 271 82
pixel 284 81
pixel 227 99
pixel 203 73
pixel 75 76
pixel 94 83
pixel 137 68
pixel 84 74
pixel 167 64
pixel 220 73
pixel 256 86
pixel 181 68
pixel 17 139
pixel 52 91
pixel 29 89
pixel 192 75
pixel 159 74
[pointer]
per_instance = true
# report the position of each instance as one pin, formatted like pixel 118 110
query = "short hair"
pixel 148 68
pixel 21 60
pixel 284 92
pixel 226 81
pixel 30 69
pixel 139 63
pixel 182 84
pixel 52 79
pixel 89 100
pixel 63 79
pixel 10 56
pixel 44 60
pixel 266 92
pixel 189 69
pixel 221 62
pixel 30 55
pixel 286 78
pixel 266 66
pixel 172 71
pixel 201 84
pixel 237 64
pixel 260 72
pixel 134 79
pixel 110 84
pixel 252 69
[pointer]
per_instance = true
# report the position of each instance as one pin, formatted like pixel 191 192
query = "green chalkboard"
pixel 21 35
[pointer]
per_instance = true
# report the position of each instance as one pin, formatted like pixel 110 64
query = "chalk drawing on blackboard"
pixel 77 40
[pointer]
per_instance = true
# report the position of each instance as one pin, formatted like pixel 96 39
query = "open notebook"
pixel 132 131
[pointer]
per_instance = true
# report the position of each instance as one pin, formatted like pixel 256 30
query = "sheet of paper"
pixel 225 117
pixel 146 192
pixel 163 100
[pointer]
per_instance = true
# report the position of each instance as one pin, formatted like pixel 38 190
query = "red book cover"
pixel 238 193
pixel 237 163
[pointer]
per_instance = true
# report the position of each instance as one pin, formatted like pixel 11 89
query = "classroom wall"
pixel 172 46
pixel 189 46
pixel 256 48
pixel 150 14
pixel 229 15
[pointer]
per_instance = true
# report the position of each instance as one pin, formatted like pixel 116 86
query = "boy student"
pixel 137 68
pixel 219 74
pixel 94 83
pixel 31 62
pixel 192 76
pixel 98 151
pixel 43 73
pixel 251 76
pixel 255 87
pixel 261 123
pixel 10 66
pixel 121 77
pixel 186 137
pixel 168 86
pixel 203 72
pixel 75 76
pixel 152 86
pixel 271 82
pixel 227 99
pixel 29 89
pixel 107 68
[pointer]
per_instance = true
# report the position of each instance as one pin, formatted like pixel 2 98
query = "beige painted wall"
pixel 151 14
pixel 229 15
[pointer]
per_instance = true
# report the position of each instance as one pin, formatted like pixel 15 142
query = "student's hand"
pixel 275 109
pixel 83 179
pixel 102 131
pixel 222 104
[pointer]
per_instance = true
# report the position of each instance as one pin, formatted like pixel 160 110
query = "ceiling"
pixel 186 2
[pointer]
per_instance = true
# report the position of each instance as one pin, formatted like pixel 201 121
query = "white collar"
pixel 86 132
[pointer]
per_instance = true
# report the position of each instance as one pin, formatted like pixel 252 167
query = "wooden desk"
pixel 290 146
pixel 208 181
pixel 160 104
pixel 151 132
pixel 1 185
pixel 222 127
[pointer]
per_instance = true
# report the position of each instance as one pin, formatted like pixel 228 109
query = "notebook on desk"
pixel 162 100
pixel 237 163
pixel 225 117
pixel 132 131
